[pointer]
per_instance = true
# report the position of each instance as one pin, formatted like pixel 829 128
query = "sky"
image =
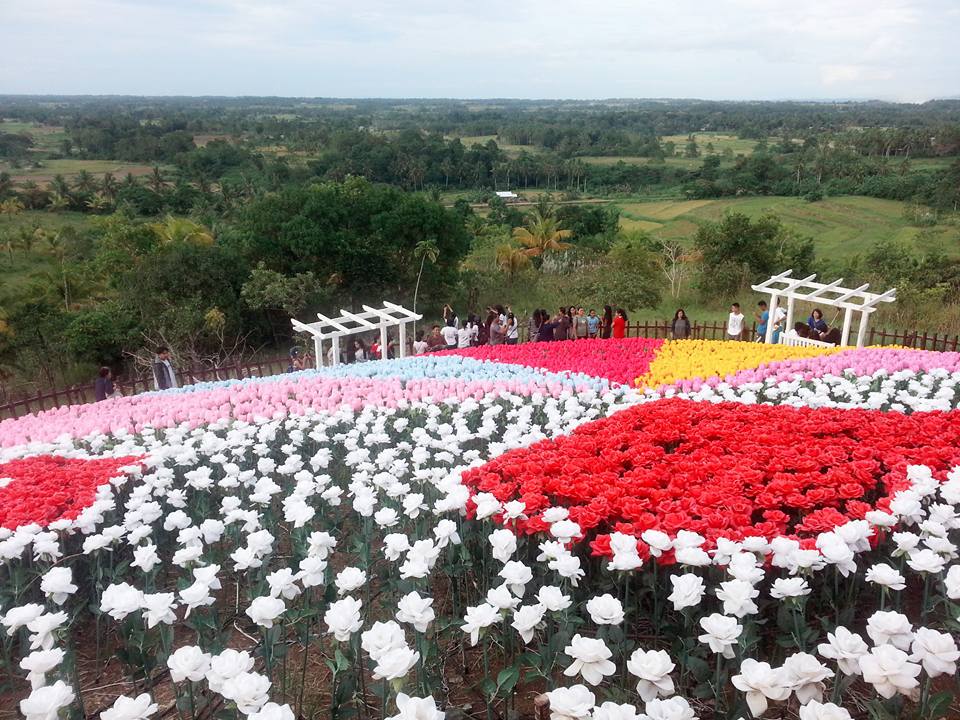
pixel 902 50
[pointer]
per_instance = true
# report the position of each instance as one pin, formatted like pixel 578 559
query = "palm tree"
pixel 512 260
pixel 85 182
pixel 108 186
pixel 55 241
pixel 542 233
pixel 60 186
pixel 181 230
pixel 58 202
pixel 11 207
pixel 98 203
pixel 156 181
pixel 424 250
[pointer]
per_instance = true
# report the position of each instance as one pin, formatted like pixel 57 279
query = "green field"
pixel 471 140
pixel 720 141
pixel 841 226
pixel 46 138
pixel 71 167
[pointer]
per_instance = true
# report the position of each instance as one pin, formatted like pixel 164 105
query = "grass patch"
pixel 69 167
pixel 720 141
pixel 841 227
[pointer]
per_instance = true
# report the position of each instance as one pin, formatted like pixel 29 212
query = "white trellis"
pixel 348 323
pixel 852 300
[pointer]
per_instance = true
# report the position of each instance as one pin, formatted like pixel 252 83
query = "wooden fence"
pixel 78 394
pixel 649 328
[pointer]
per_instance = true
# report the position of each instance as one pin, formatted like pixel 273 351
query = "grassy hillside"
pixel 841 226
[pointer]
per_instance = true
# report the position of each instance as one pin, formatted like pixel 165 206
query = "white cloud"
pixel 507 48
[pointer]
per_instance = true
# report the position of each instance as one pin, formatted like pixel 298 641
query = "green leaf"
pixel 698 667
pixel 507 680
pixel 940 705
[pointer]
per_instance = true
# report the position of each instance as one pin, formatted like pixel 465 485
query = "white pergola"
pixel 348 323
pixel 852 300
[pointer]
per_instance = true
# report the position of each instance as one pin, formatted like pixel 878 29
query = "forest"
pixel 204 224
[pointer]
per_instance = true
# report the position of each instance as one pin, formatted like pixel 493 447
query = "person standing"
pixel 580 325
pixel 594 325
pixel 103 385
pixel 606 326
pixel 545 333
pixel 620 324
pixel 513 330
pixel 296 360
pixel 533 326
pixel 762 317
pixel 448 315
pixel 564 324
pixel 498 330
pixel 164 377
pixel 779 320
pixel 735 323
pixel 449 334
pixel 467 334
pixel 680 327
pixel 360 353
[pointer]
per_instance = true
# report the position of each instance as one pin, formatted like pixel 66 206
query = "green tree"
pixel 281 297
pixel 512 260
pixel 181 230
pixel 363 235
pixel 102 334
pixel 627 275
pixel 738 250
pixel 542 233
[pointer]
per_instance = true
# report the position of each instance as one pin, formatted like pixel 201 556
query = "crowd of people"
pixel 500 326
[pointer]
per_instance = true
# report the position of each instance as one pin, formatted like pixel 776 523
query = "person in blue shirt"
pixel 593 324
pixel 817 324
pixel 763 316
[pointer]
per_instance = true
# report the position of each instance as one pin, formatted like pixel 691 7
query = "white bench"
pixel 791 338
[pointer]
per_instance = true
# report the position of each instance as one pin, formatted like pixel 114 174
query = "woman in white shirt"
pixel 465 336
pixel 420 345
pixel 449 333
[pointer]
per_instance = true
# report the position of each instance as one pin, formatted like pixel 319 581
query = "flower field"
pixel 636 529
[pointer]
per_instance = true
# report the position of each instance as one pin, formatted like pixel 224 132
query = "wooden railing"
pixel 650 329
pixel 915 339
pixel 78 394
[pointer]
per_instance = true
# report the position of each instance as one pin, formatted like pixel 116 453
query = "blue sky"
pixel 905 50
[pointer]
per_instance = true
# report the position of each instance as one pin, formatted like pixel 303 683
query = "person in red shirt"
pixel 620 324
